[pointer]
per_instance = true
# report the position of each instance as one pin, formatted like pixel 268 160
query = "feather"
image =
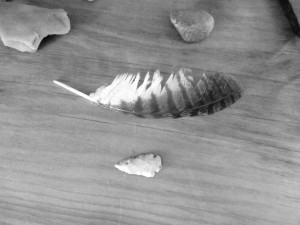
pixel 180 96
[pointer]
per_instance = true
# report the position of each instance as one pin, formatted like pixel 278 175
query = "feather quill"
pixel 180 96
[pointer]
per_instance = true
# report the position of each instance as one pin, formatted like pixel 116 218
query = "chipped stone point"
pixel 192 25
pixel 144 165
pixel 23 27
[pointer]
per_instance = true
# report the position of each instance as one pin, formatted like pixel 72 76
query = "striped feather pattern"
pixel 180 96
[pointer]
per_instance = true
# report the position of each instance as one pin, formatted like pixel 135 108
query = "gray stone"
pixel 23 27
pixel 192 25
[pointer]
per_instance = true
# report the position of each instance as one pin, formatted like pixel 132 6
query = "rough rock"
pixel 144 165
pixel 23 27
pixel 192 25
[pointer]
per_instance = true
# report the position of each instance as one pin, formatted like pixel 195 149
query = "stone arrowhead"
pixel 145 165
pixel 23 27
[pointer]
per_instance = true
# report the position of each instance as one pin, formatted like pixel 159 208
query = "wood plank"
pixel 239 166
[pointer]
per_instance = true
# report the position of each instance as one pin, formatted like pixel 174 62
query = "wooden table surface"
pixel 239 166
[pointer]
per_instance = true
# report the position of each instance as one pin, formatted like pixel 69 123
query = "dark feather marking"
pixel 188 103
pixel 197 108
pixel 171 104
pixel 197 91
pixel 124 106
pixel 195 111
pixel 210 109
pixel 222 82
pixel 138 107
pixel 217 87
pixel 211 98
pixel 203 108
pixel 231 99
pixel 155 112
pixel 228 84
pixel 236 90
pixel 227 98
pixel 224 103
pixel 217 83
pixel 229 92
pixel 208 96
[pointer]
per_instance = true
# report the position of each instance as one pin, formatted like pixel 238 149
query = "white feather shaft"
pixel 75 91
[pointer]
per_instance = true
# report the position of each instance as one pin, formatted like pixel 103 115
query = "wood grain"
pixel 239 166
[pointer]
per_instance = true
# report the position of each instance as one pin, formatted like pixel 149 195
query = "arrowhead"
pixel 144 165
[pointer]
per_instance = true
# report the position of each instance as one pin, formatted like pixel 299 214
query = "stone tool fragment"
pixel 23 27
pixel 144 165
pixel 192 25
